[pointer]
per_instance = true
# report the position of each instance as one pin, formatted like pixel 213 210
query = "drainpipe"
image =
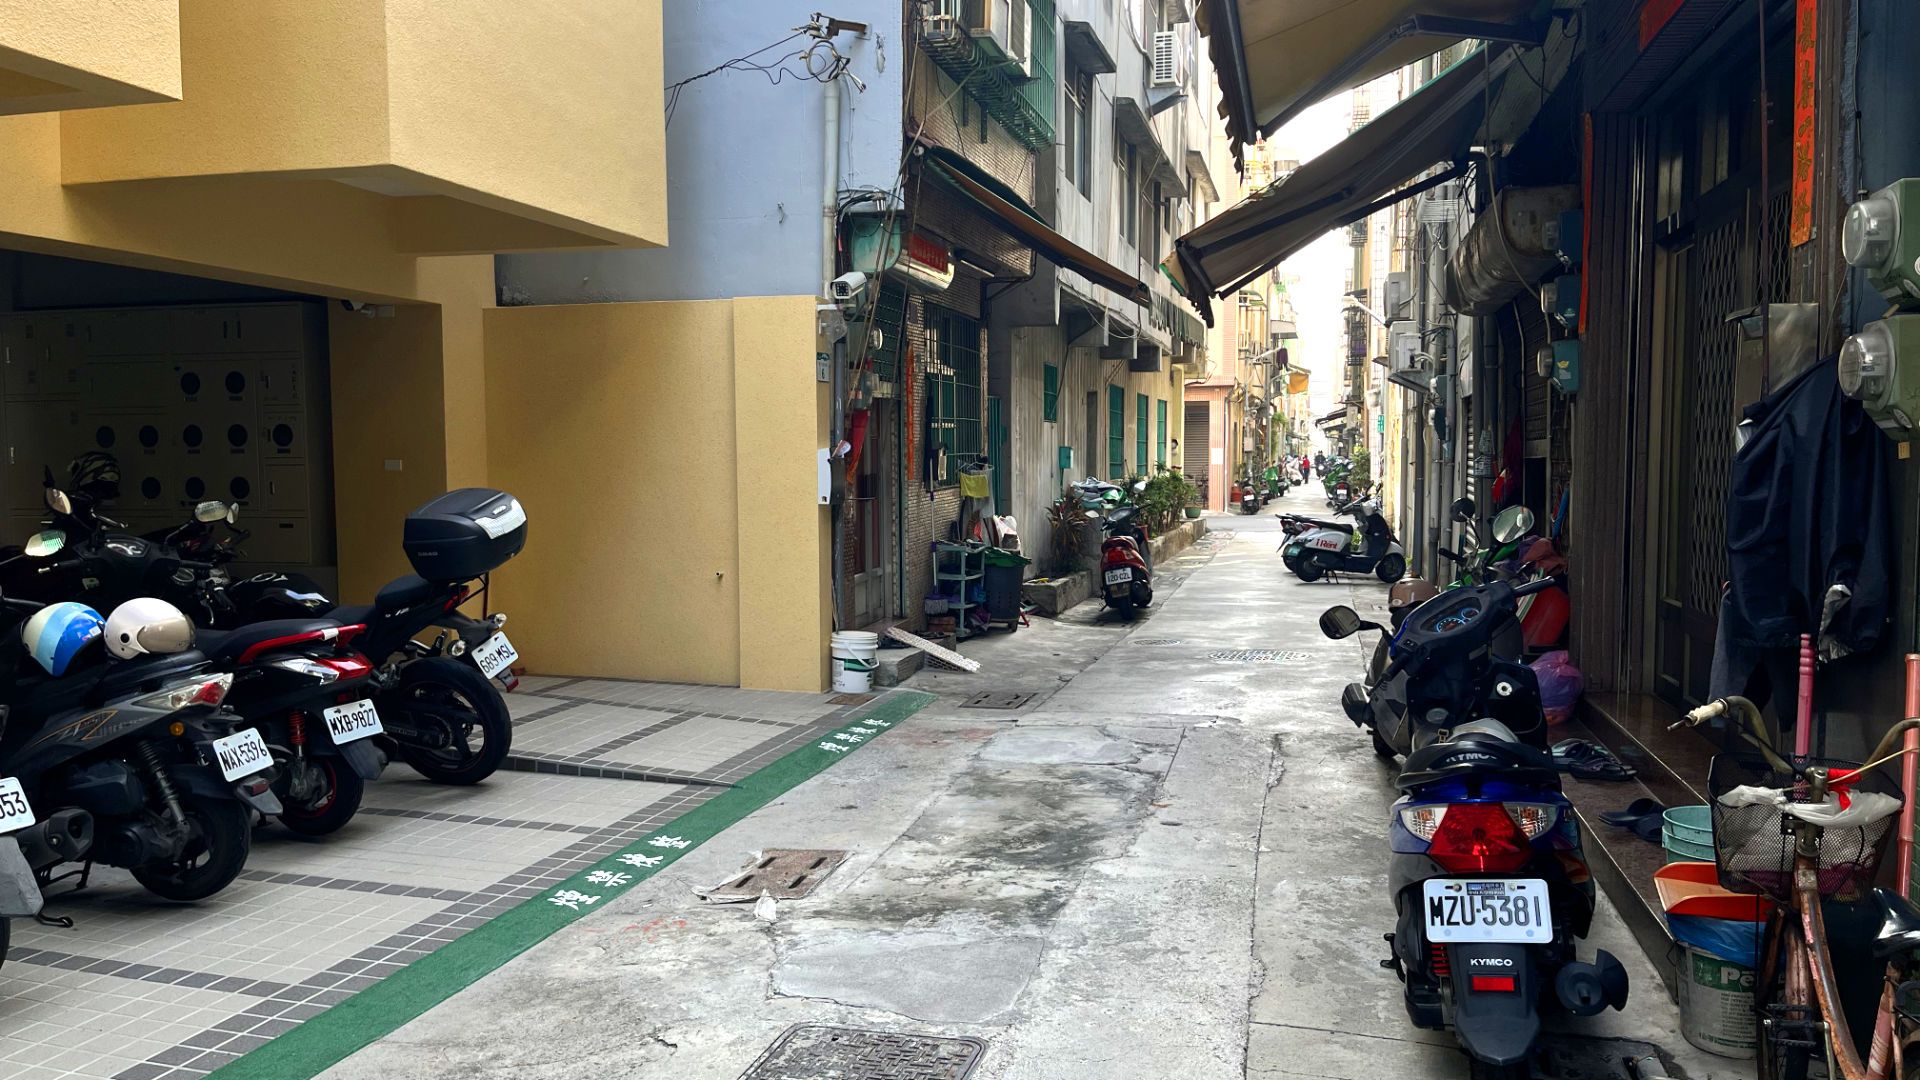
pixel 837 365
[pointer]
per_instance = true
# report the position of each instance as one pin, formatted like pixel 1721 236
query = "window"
pixel 1130 195
pixel 1116 433
pixel 1159 217
pixel 1050 392
pixel 1160 432
pixel 1079 131
pixel 953 388
pixel 1140 431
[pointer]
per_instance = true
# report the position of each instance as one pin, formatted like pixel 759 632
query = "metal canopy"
pixel 1136 127
pixel 1277 57
pixel 1085 50
pixel 1021 220
pixel 1438 125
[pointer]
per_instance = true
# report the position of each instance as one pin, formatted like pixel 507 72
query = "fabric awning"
pixel 1010 210
pixel 1437 125
pixel 1297 382
pixel 1277 57
pixel 1338 416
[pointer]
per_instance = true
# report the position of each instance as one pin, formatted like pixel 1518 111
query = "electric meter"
pixel 1880 368
pixel 1882 236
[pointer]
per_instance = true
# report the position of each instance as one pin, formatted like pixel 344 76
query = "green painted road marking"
pixel 384 1007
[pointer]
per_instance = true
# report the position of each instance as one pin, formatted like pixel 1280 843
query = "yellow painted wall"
pixel 641 459
pixel 551 112
pixel 80 54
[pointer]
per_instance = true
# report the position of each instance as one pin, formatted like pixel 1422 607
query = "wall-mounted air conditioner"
pixel 1169 58
pixel 1004 26
pixel 1404 358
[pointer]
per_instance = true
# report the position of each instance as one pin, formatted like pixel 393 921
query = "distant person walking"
pixel 1306 469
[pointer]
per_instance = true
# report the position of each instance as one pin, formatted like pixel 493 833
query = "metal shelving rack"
pixel 972 568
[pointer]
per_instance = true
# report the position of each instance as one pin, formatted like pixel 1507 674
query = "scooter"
pixel 1249 497
pixel 1126 575
pixel 1487 873
pixel 1368 547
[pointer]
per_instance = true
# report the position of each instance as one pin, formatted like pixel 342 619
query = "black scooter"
pixel 1487 873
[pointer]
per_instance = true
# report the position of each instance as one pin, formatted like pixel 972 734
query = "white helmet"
pixel 147 625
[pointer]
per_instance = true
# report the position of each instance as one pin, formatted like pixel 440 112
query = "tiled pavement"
pixel 143 990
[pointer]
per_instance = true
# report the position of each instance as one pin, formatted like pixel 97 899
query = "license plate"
pixel 242 754
pixel 1119 577
pixel 1293 549
pixel 15 814
pixel 494 655
pixel 1510 910
pixel 354 720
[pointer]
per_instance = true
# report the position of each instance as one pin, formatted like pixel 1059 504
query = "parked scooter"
pixel 1366 547
pixel 1487 873
pixel 133 763
pixel 1126 575
pixel 1249 496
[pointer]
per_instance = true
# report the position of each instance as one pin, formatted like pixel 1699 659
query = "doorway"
pixel 875 499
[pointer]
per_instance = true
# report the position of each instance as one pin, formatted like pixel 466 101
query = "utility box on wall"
pixel 227 402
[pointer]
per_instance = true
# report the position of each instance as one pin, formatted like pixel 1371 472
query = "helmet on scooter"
pixel 1409 593
pixel 57 633
pixel 146 625
pixel 95 473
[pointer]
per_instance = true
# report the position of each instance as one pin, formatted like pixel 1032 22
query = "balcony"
pixel 484 126
pixel 81 54
pixel 1022 104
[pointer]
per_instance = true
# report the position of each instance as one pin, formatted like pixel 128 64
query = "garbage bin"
pixel 1716 935
pixel 1004 574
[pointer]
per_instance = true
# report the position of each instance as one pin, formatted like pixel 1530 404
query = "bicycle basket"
pixel 1753 845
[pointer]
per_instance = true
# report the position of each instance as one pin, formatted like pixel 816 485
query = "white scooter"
pixel 1366 547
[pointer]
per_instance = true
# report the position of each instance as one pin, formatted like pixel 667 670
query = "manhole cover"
pixel 1157 641
pixel 849 699
pixel 815 1050
pixel 787 873
pixel 1257 656
pixel 996 699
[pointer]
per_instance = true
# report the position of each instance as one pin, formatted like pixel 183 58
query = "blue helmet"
pixel 57 633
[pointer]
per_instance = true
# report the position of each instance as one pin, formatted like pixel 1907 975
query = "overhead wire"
pixel 776 71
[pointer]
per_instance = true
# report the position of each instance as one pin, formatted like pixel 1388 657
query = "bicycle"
pixel 1798 831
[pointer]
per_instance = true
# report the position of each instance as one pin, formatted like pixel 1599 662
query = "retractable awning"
pixel 1276 57
pixel 1437 125
pixel 1010 210
pixel 1337 416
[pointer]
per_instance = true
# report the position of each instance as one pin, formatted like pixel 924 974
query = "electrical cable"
pixel 776 71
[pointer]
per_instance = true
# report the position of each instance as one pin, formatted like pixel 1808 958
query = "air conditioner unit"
pixel 1398 290
pixel 1169 58
pixel 992 23
pixel 1404 358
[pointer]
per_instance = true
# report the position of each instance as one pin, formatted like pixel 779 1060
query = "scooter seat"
pixel 397 595
pixel 227 646
pixel 1899 925
pixel 1474 753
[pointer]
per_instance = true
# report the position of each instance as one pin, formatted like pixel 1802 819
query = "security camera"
pixel 848 288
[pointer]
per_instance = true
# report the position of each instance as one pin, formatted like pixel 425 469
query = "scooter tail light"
pixel 210 691
pixel 1533 819
pixel 1479 838
pixel 1423 821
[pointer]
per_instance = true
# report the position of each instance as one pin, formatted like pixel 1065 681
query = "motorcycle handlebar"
pixel 1455 556
pixel 1538 585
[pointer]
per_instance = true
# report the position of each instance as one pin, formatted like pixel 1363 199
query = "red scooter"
pixel 1126 575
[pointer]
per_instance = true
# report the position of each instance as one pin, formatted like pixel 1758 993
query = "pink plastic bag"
pixel 1560 685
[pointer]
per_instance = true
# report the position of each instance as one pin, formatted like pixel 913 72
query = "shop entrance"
pixel 200 389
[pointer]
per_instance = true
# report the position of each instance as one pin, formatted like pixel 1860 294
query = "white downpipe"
pixel 829 186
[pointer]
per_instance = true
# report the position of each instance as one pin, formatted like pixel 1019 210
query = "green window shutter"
pixel 1050 391
pixel 1160 432
pixel 955 409
pixel 1116 433
pixel 1140 431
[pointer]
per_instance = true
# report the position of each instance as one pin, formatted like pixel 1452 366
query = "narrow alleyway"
pixel 1165 863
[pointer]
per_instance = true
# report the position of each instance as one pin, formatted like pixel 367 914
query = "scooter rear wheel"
pixel 453 694
pixel 214 856
pixel 1309 569
pixel 1480 1070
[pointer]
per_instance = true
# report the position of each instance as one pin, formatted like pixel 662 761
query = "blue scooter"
pixel 1488 876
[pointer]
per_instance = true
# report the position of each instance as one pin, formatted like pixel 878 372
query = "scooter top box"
pixel 464 533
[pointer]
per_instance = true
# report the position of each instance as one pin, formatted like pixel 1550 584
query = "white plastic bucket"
pixel 1716 1004
pixel 855 656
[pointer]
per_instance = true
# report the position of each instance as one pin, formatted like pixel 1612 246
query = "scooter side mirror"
pixel 1140 485
pixel 1093 515
pixel 44 544
pixel 211 511
pixel 1341 622
pixel 1513 523
pixel 1462 510
pixel 58 502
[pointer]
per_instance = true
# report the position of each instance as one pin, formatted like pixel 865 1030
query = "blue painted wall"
pixel 743 161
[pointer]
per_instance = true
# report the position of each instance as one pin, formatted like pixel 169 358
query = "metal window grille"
pixel 889 317
pixel 953 388
pixel 1116 433
pixel 1050 392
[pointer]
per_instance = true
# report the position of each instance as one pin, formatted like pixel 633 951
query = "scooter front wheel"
pixel 336 805
pixel 1390 569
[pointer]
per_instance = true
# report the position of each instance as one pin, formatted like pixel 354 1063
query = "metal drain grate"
pixel 1258 656
pixel 815 1050
pixel 1157 641
pixel 787 873
pixel 849 699
pixel 997 699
